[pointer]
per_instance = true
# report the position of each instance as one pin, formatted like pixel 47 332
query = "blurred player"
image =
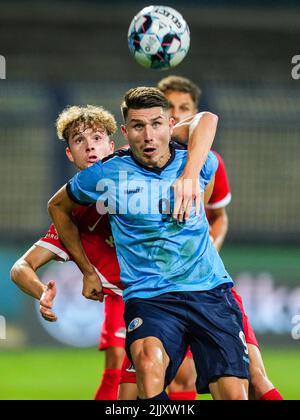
pixel 184 97
pixel 164 262
pixel 87 133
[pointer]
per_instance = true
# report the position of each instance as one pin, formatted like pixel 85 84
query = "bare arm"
pixel 60 208
pixel 218 226
pixel 23 274
pixel 201 133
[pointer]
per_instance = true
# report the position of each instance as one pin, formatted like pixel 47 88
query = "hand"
pixel 46 302
pixel 186 192
pixel 92 287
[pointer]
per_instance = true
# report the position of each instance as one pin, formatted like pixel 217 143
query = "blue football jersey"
pixel 156 254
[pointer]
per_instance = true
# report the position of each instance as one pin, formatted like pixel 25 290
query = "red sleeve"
pixel 52 242
pixel 221 195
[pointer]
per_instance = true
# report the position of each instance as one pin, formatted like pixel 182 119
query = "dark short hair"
pixel 143 97
pixel 180 84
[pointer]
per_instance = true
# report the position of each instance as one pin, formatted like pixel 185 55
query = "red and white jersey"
pixel 221 195
pixel 98 244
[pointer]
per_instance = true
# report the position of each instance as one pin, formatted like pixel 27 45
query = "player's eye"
pixel 138 126
pixel 156 124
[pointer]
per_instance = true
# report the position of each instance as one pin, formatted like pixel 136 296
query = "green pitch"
pixel 75 374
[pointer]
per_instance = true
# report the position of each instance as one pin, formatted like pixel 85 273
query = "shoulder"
pixel 220 159
pixel 221 172
pixel 178 146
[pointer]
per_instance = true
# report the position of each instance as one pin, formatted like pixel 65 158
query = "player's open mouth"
pixel 149 151
pixel 93 159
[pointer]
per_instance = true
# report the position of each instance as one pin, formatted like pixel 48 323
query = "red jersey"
pixel 221 195
pixel 98 244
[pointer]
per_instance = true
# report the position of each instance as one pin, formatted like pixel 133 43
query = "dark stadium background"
pixel 75 52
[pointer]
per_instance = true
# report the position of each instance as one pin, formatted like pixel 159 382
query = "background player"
pixel 184 97
pixel 87 132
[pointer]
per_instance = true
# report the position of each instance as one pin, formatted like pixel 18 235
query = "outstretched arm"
pixel 60 208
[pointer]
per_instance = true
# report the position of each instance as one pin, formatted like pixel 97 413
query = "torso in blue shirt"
pixel 156 254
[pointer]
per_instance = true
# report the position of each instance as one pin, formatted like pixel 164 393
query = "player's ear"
pixel 124 131
pixel 171 124
pixel 112 146
pixel 69 155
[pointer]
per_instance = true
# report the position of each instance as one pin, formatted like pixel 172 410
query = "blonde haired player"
pixel 86 131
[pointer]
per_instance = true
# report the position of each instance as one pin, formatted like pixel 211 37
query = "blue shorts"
pixel 209 321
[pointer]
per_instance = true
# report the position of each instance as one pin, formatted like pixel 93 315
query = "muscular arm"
pixel 218 226
pixel 60 208
pixel 23 272
pixel 200 131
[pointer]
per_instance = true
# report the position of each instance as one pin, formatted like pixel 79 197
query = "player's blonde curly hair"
pixel 74 117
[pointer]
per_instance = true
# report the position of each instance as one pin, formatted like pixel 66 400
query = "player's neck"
pixel 163 160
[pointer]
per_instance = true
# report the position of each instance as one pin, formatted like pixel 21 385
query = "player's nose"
pixel 90 146
pixel 148 133
pixel 176 117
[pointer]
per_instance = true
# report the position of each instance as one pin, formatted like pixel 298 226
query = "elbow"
pixel 51 206
pixel 14 273
pixel 211 118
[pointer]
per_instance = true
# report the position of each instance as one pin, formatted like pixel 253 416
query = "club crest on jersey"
pixel 134 324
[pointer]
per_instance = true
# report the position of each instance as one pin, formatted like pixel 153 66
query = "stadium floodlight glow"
pixel 2 328
pixel 2 67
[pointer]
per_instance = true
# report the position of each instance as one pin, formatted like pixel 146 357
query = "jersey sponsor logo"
pixel 135 191
pixel 93 227
pixel 52 236
pixel 134 324
pixel 121 333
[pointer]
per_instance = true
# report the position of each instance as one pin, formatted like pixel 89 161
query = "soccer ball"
pixel 158 37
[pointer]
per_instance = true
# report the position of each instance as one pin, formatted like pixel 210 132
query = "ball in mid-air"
pixel 158 37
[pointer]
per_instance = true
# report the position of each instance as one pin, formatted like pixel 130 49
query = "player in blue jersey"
pixel 177 291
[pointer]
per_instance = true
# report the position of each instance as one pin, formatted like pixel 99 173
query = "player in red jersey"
pixel 87 132
pixel 184 97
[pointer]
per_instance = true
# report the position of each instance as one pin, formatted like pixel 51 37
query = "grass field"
pixel 51 374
